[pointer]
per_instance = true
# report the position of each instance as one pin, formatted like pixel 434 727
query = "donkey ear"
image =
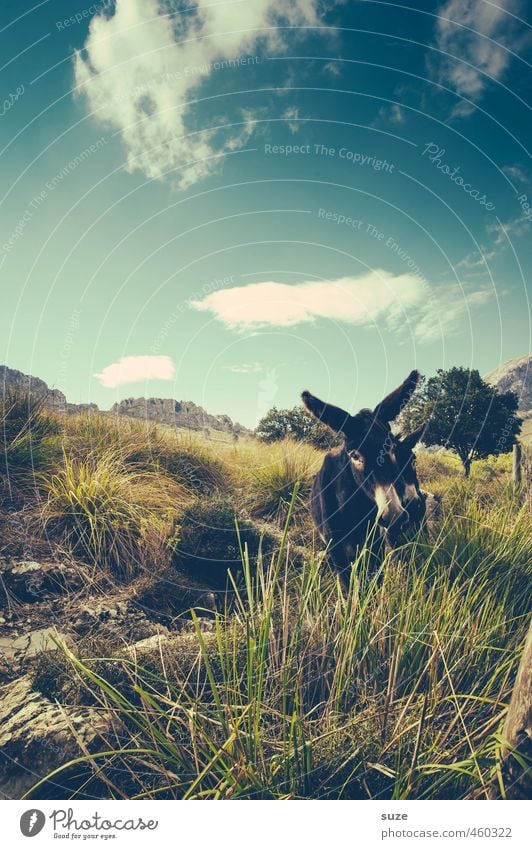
pixel 412 439
pixel 390 407
pixel 332 416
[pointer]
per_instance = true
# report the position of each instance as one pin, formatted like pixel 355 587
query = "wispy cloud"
pixel 356 300
pixel 390 114
pixel 501 235
pixel 515 172
pixel 245 368
pixel 133 369
pixel 333 68
pixel 476 260
pixel 141 66
pixel 291 116
pixel 476 34
pixel 399 301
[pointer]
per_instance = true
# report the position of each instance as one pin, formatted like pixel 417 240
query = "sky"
pixel 234 200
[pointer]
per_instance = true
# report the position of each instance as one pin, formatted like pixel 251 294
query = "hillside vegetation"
pixel 276 682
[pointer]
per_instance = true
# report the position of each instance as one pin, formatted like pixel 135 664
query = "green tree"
pixel 296 423
pixel 463 412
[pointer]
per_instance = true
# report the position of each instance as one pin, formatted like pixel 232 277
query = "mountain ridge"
pixel 168 411
pixel 515 375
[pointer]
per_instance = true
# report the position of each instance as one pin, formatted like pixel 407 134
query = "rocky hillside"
pixel 10 378
pixel 516 376
pixel 182 414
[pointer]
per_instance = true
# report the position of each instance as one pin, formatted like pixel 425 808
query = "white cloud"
pixel 291 116
pixel 141 65
pixel 477 259
pixel 501 235
pixel 389 114
pixel 333 68
pixel 356 300
pixel 478 33
pixel 505 230
pixel 401 301
pixel 515 172
pixel 245 368
pixel 132 369
pixel 445 316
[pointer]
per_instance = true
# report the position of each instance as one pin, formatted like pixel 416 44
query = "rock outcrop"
pixel 515 376
pixel 183 414
pixel 37 736
pixel 28 580
pixel 11 378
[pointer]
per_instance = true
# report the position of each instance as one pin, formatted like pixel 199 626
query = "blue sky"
pixel 229 202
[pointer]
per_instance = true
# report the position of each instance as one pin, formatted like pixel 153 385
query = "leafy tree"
pixel 296 423
pixel 464 413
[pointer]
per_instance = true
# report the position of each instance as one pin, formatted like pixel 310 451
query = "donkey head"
pixel 412 497
pixel 383 464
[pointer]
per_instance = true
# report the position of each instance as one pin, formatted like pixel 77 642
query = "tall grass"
pixel 395 688
pixel 27 442
pixel 272 486
pixel 110 514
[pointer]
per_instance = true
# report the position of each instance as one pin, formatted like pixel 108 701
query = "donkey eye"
pixel 356 456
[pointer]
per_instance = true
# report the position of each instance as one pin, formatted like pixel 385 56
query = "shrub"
pixel 295 423
pixel 461 411
pixel 184 458
pixel 110 515
pixel 212 538
pixel 27 440
pixel 394 689
pixel 271 485
pixel 152 447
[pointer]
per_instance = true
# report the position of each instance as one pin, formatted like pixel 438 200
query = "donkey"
pixel 367 489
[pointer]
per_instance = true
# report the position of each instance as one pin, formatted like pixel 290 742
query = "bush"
pixel 28 441
pixel 271 485
pixel 395 688
pixel 192 464
pixel 212 539
pixel 110 515
pixel 153 447
pixel 296 424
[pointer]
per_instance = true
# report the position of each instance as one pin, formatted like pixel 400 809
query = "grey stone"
pixel 183 414
pixel 37 736
pixel 27 646
pixel 30 580
pixel 515 376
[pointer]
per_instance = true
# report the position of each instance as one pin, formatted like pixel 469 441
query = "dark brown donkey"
pixel 368 487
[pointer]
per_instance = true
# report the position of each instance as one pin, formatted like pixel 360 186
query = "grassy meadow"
pixel 280 683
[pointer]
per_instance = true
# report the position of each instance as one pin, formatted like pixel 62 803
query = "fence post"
pixel 517 730
pixel 516 471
